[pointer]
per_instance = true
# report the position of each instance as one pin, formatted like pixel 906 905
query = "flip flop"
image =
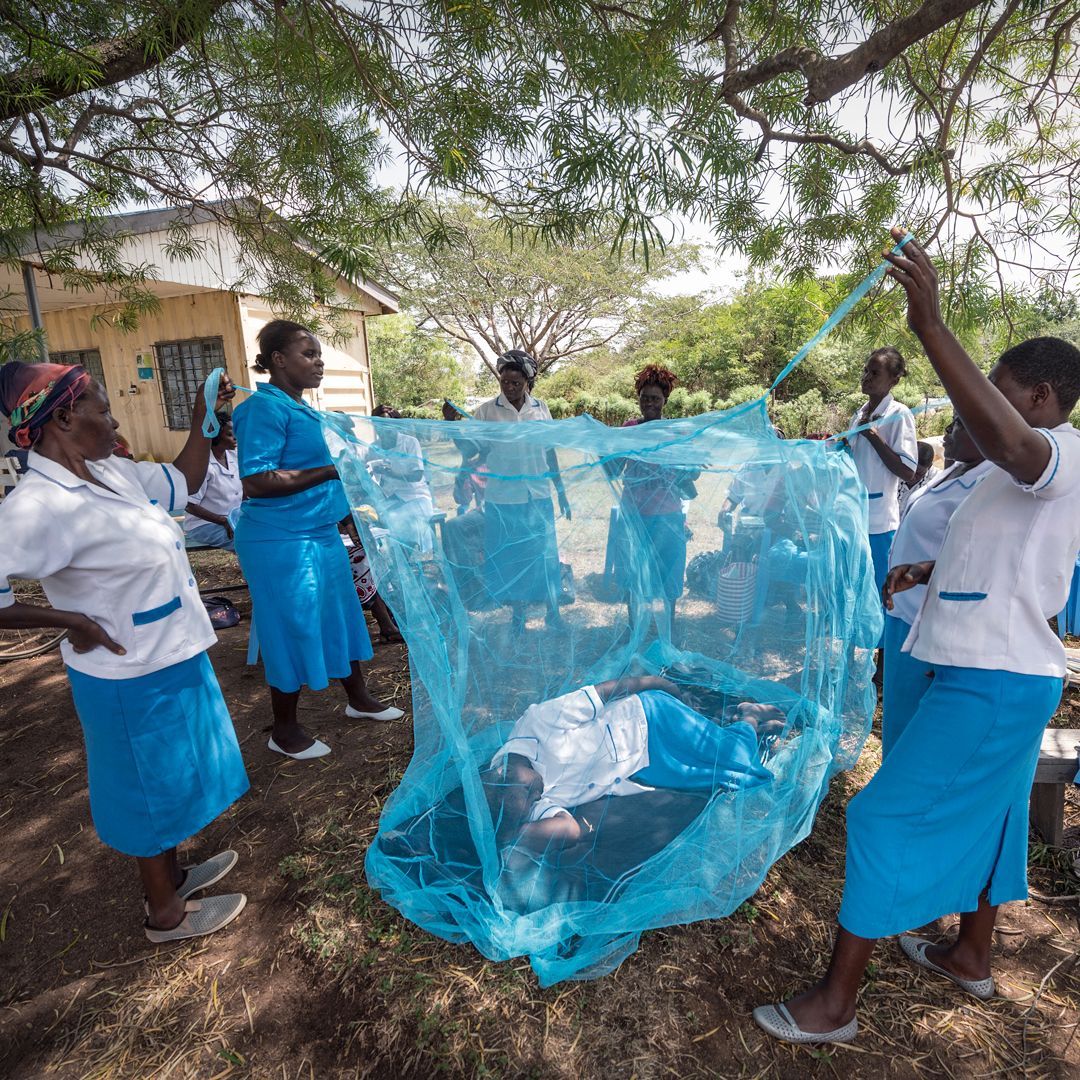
pixel 200 917
pixel 914 948
pixel 316 750
pixel 391 639
pixel 775 1020
pixel 207 873
pixel 391 712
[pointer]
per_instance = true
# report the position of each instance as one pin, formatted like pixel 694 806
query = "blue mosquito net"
pixel 541 816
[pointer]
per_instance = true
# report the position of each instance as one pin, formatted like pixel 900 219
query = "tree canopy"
pixel 797 129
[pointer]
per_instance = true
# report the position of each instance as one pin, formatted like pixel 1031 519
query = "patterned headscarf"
pixel 31 393
pixel 518 360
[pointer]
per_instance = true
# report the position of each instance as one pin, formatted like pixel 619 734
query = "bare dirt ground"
pixel 318 978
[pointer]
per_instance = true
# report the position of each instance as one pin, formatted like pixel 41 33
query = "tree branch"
pixel 113 61
pixel 827 76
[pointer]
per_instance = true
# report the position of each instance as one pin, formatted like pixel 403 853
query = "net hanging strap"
pixel 210 425
pixel 839 313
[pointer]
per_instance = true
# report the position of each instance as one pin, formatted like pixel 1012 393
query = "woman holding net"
pixel 653 565
pixel 95 529
pixel 521 559
pixel 307 615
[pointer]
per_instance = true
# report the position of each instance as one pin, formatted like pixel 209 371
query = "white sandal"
pixel 914 948
pixel 777 1021
pixel 391 712
pixel 317 749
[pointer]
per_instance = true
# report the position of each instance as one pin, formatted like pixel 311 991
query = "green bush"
pixel 421 412
pixel 560 408
pixel 805 415
pixel 740 396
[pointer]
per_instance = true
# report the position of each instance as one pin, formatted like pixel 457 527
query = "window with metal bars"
pixel 182 366
pixel 87 358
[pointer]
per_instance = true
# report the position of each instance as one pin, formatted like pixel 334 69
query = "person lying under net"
pixel 621 737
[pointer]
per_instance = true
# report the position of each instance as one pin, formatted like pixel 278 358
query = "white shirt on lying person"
pixel 1004 569
pixel 222 491
pixel 896 426
pixel 111 553
pixel 582 748
pixel 922 528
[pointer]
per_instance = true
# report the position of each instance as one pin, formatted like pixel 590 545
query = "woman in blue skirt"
pixel 521 559
pixel 942 826
pixel 95 530
pixel 652 498
pixel 308 618
pixel 919 538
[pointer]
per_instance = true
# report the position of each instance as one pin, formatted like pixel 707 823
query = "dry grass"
pixel 152 1025
pixel 680 1006
pixel 321 979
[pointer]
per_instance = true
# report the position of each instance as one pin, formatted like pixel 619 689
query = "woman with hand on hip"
pixel 162 757
pixel 885 453
pixel 307 615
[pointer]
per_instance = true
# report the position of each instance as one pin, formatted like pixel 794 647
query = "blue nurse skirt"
pixel 307 615
pixel 946 816
pixel 657 569
pixel 906 680
pixel 690 752
pixel 880 546
pixel 521 559
pixel 161 755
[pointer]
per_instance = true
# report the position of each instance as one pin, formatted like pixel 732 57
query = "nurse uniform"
pixel 162 756
pixel 896 427
pixel 918 539
pixel 307 615
pixel 945 818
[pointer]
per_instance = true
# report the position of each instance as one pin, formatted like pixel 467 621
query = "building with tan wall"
pixel 209 313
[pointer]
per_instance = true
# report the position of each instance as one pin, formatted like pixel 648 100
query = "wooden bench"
pixel 1057 767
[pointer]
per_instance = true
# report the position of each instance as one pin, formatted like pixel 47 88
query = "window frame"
pixel 180 372
pixel 79 356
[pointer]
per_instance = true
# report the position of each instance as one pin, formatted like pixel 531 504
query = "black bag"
pixel 222 611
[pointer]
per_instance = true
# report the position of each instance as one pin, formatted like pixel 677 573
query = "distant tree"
pixel 410 367
pixel 493 291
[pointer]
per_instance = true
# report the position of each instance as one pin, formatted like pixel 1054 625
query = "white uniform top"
pixel 1004 569
pixel 402 458
pixel 516 457
pixel 882 485
pixel 222 491
pixel 923 525
pixel 582 748
pixel 114 555
pixel 909 491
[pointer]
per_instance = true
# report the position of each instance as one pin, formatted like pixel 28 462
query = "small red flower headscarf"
pixel 30 393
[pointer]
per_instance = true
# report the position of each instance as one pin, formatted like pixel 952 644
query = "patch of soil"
pixel 319 978
pixel 80 986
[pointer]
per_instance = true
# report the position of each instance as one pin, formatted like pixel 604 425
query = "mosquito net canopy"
pixel 623 714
